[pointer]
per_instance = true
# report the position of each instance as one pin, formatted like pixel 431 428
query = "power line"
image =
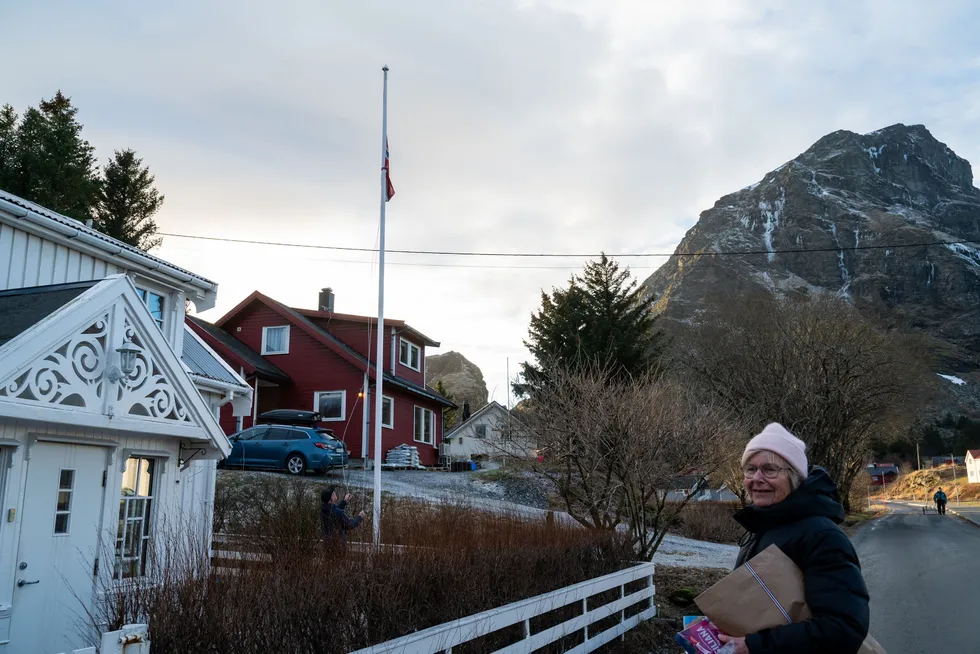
pixel 555 255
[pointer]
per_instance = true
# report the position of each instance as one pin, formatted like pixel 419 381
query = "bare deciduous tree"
pixel 613 449
pixel 814 365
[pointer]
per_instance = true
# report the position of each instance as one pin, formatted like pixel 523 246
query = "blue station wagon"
pixel 293 448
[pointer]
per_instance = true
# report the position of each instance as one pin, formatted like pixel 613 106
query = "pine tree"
pixel 8 148
pixel 55 165
pixel 602 319
pixel 449 416
pixel 127 202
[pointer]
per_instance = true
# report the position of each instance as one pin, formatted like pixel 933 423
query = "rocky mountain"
pixel 460 376
pixel 860 208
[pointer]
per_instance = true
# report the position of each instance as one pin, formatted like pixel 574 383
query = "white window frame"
pixel 343 405
pixel 145 293
pixel 431 423
pixel 71 503
pixel 411 346
pixel 149 516
pixel 265 341
pixel 486 431
pixel 391 412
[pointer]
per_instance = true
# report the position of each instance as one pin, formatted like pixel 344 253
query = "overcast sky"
pixel 567 126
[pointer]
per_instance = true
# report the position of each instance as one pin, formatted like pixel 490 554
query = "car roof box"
pixel 290 417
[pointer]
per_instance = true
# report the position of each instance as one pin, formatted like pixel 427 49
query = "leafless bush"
pixel 300 600
pixel 613 449
pixel 817 367
pixel 711 521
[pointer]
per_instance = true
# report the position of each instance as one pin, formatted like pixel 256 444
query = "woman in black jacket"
pixel 800 514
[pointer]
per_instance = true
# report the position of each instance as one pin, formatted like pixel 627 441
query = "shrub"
pixel 711 521
pixel 459 562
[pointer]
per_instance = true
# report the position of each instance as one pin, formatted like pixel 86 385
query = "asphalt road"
pixel 922 573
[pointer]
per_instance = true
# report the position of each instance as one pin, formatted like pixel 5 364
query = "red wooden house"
pixel 320 360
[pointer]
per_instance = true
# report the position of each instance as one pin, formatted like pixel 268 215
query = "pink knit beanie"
pixel 776 439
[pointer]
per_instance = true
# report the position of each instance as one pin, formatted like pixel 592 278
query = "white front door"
pixel 59 541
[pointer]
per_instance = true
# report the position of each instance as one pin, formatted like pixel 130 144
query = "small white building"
pixel 491 432
pixel 973 466
pixel 108 421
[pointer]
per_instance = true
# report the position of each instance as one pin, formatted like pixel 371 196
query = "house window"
pixel 331 405
pixel 135 517
pixel 155 303
pixel 275 340
pixel 387 412
pixel 410 355
pixel 481 431
pixel 425 425
pixel 66 490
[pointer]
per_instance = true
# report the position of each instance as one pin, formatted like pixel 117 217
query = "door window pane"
pixel 135 516
pixel 66 489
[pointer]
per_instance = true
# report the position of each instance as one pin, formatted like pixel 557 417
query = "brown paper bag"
pixel 765 592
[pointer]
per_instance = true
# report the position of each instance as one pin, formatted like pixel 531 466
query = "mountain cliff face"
pixel 460 376
pixel 860 201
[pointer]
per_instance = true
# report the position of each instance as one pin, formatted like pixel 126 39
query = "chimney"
pixel 466 411
pixel 326 300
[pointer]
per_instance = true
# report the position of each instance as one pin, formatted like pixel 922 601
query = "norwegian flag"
pixel 390 191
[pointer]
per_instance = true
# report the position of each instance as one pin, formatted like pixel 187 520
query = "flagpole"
pixel 379 359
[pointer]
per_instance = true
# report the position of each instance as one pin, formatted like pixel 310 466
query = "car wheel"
pixel 295 464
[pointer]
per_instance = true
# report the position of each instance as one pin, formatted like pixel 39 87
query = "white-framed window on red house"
pixel 331 405
pixel 425 426
pixel 387 412
pixel 410 355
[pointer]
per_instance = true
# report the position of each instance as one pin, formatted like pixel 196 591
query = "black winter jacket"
pixel 805 527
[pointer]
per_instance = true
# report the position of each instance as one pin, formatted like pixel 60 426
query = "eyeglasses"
pixel 769 471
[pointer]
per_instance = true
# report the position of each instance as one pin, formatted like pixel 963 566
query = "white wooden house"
pixel 491 432
pixel 973 466
pixel 108 420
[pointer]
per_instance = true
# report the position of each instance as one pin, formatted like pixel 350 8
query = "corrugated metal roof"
pixel 202 361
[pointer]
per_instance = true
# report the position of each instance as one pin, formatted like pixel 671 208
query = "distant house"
pixel 683 486
pixel 973 466
pixel 883 473
pixel 491 432
pixel 939 461
pixel 324 361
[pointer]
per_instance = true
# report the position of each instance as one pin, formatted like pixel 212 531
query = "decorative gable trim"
pixel 65 369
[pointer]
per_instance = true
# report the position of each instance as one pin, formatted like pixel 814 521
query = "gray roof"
pixel 22 308
pixel 202 361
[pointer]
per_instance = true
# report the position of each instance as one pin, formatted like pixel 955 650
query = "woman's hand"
pixel 740 646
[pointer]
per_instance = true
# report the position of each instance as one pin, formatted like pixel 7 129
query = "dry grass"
pixel 461 562
pixel 711 521
pixel 922 484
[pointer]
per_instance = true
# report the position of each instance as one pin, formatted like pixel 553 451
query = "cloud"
pixel 550 125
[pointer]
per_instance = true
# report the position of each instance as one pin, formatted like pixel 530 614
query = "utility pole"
pixel 953 459
pixel 918 459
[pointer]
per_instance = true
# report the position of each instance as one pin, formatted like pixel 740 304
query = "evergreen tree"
pixel 127 202
pixel 603 319
pixel 55 166
pixel 8 148
pixel 450 417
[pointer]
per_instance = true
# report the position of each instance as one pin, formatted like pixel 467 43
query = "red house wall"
pixel 313 367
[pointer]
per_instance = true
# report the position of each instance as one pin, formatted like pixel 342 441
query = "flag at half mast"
pixel 390 192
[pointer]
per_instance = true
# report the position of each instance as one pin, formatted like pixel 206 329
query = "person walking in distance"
pixel 940 499
pixel 334 520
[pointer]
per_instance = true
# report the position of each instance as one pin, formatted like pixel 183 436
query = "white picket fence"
pixel 442 638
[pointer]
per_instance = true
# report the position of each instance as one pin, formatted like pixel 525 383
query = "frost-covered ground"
pixel 688 553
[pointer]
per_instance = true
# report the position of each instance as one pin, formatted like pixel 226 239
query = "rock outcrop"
pixel 460 376
pixel 851 216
